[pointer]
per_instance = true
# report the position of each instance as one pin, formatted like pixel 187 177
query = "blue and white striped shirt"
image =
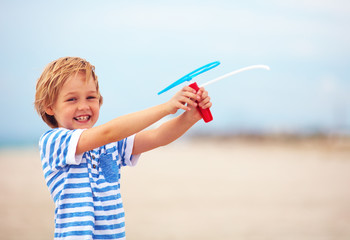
pixel 86 187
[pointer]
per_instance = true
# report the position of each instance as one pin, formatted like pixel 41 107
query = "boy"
pixel 81 163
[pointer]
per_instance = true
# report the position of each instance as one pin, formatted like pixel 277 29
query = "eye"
pixel 71 99
pixel 92 96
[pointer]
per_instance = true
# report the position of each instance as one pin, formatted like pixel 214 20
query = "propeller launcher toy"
pixel 205 113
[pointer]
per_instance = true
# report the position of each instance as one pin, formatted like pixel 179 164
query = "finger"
pixel 188 89
pixel 184 107
pixel 191 90
pixel 204 93
pixel 189 101
pixel 204 102
pixel 191 95
pixel 183 100
pixel 207 105
pixel 202 90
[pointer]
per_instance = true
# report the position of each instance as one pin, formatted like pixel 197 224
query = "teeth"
pixel 82 118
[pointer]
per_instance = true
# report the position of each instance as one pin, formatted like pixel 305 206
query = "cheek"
pixel 68 110
pixel 96 109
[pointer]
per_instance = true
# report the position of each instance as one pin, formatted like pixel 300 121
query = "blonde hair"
pixel 54 77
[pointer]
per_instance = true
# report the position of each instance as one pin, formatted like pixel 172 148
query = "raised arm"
pixel 127 125
pixel 172 129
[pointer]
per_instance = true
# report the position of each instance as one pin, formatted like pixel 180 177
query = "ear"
pixel 49 111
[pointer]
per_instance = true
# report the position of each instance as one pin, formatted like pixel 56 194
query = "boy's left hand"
pixel 204 101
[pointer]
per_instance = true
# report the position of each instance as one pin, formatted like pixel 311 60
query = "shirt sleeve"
pixel 58 147
pixel 125 147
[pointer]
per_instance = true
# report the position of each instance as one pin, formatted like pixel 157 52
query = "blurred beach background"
pixel 273 164
pixel 223 188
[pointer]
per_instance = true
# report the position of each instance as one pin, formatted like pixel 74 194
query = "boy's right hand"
pixel 182 100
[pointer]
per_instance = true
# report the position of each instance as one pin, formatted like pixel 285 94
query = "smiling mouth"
pixel 82 118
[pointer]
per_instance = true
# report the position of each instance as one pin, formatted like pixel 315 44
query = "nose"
pixel 83 105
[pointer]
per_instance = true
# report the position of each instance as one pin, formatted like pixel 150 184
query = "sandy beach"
pixel 204 189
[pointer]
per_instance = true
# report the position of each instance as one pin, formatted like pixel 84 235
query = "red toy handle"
pixel 205 113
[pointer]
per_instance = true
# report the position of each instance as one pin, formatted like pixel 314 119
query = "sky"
pixel 139 47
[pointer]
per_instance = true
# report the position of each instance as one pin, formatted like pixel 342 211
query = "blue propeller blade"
pixel 191 75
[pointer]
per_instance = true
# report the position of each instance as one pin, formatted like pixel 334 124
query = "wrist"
pixel 165 108
pixel 169 108
pixel 192 116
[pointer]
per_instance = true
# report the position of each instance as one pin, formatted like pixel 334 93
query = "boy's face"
pixel 77 105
